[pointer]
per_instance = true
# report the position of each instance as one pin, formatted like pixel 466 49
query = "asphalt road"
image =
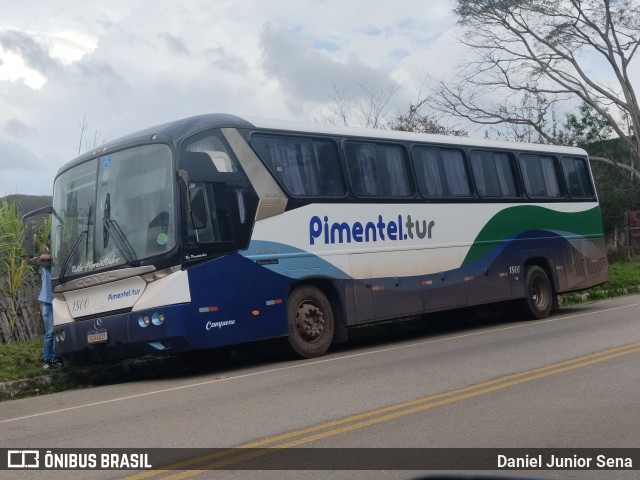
pixel 468 381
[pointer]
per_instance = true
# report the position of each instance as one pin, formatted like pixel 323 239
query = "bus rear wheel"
pixel 311 322
pixel 539 297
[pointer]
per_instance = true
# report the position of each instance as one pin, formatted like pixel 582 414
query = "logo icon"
pixel 23 458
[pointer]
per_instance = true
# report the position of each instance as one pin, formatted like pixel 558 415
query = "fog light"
pixel 144 321
pixel 157 318
pixel 62 335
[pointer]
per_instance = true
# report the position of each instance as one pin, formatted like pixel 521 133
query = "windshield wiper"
pixel 75 246
pixel 122 243
pixel 68 259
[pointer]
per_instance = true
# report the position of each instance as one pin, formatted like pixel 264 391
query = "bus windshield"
pixel 114 210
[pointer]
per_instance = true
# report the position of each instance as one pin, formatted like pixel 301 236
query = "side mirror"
pixel 29 240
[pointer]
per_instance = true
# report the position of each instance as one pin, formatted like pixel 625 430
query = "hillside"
pixel 27 203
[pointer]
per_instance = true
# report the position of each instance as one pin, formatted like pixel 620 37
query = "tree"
pixel 552 51
pixel 363 104
pixel 616 182
pixel 88 143
pixel 591 131
pixel 416 121
pixel 537 113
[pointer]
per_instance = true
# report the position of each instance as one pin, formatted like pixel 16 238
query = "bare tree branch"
pixel 530 55
pixel 83 128
pixel 368 106
pixel 623 166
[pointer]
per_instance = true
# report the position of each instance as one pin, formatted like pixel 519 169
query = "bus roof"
pixel 174 131
pixel 382 134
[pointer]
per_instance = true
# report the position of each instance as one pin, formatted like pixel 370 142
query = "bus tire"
pixel 539 294
pixel 311 322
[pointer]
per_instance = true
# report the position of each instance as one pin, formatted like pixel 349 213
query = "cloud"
pixel 92 76
pixel 371 30
pixel 15 156
pixel 17 129
pixel 35 56
pixel 328 45
pixel 127 65
pixel 175 45
pixel 226 61
pixel 309 74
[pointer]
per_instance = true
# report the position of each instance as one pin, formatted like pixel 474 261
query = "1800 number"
pixel 79 305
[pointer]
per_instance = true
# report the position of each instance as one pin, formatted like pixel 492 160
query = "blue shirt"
pixel 46 295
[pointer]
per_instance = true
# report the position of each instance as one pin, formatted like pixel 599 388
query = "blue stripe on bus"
pixel 291 261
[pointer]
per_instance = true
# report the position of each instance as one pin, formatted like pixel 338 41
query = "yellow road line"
pixel 347 424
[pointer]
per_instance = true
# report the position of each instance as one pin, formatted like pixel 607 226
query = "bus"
pixel 217 230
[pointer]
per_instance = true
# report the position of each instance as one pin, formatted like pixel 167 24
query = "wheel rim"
pixel 309 322
pixel 539 294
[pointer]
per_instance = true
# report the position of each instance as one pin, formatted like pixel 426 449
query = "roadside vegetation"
pixel 624 279
pixel 23 361
pixel 20 360
pixel 19 281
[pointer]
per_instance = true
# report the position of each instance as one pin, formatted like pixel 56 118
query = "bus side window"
pixel 576 176
pixel 377 170
pixel 306 167
pixel 539 176
pixel 222 200
pixel 493 174
pixel 441 172
pixel 328 166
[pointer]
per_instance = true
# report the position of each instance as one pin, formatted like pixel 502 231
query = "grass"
pixel 20 360
pixel 624 279
pixel 623 275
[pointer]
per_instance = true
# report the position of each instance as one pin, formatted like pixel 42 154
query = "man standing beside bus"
pixel 46 298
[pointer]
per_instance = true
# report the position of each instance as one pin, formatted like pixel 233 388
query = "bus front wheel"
pixel 539 294
pixel 311 321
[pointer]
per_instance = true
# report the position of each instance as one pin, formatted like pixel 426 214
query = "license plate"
pixel 97 336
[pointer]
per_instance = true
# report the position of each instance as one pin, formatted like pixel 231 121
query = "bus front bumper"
pixel 161 331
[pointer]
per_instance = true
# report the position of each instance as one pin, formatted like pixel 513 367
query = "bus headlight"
pixel 144 321
pixel 157 318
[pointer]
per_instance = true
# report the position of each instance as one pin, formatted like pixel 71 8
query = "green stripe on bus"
pixel 512 221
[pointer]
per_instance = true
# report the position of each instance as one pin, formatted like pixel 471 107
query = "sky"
pixel 124 65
